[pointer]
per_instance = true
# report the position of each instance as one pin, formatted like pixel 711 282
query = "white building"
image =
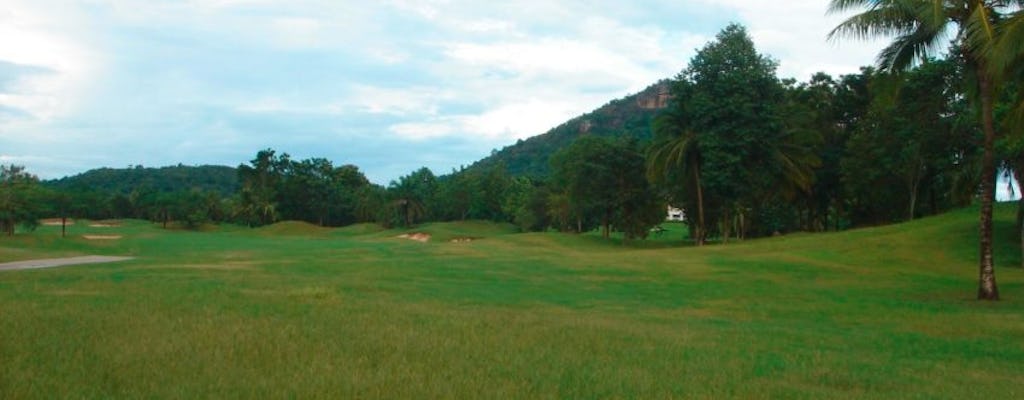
pixel 675 214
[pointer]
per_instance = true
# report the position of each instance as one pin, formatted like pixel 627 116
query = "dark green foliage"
pixel 220 179
pixel 723 149
pixel 907 156
pixel 314 190
pixel 526 204
pixel 605 184
pixel 135 192
pixel 482 193
pixel 21 199
pixel 408 196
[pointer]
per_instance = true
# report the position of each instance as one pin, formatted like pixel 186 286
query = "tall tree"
pixel 260 181
pixel 723 137
pixel 922 27
pixel 20 198
pixel 410 193
pixel 675 155
pixel 604 180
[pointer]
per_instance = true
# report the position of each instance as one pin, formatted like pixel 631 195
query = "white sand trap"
pixel 102 237
pixel 418 236
pixel 55 222
pixel 103 225
pixel 59 262
pixel 462 240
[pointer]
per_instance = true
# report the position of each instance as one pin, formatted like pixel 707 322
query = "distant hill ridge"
pixel 629 116
pixel 218 178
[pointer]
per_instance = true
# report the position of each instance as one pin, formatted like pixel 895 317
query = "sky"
pixel 389 86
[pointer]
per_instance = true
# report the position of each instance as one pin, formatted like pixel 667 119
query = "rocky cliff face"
pixel 655 97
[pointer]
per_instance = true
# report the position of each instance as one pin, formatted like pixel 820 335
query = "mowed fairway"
pixel 295 311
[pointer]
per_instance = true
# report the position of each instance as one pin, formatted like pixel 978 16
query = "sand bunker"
pixel 104 225
pixel 55 222
pixel 101 237
pixel 418 236
pixel 462 240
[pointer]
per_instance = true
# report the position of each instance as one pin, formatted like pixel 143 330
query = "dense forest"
pixel 743 152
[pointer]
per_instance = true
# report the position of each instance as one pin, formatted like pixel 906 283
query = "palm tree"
pixel 921 28
pixel 677 148
pixel 409 208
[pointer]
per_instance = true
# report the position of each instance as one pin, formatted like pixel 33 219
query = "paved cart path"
pixel 59 262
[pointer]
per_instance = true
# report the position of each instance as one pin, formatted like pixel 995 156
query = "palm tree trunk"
pixel 1020 208
pixel 987 289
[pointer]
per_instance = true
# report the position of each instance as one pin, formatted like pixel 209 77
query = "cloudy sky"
pixel 389 86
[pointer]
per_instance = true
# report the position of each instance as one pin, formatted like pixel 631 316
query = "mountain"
pixel 217 178
pixel 629 116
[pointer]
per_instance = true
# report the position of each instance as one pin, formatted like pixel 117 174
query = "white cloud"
pixel 398 101
pixel 521 119
pixel 432 129
pixel 297 32
pixel 42 37
pixel 509 122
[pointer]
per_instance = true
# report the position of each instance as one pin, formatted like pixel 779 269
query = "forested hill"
pixel 221 179
pixel 629 116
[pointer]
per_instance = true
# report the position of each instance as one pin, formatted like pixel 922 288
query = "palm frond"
pixel 907 50
pixel 1008 51
pixel 877 21
pixel 840 6
pixel 979 31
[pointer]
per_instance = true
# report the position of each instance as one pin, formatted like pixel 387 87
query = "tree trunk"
pixel 405 210
pixel 604 223
pixel 825 216
pixel 932 201
pixel 741 229
pixel 1020 209
pixel 726 222
pixel 987 288
pixel 914 183
pixel 63 227
pixel 700 206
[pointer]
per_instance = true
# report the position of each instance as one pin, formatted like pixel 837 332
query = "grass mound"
pixel 443 232
pixel 358 229
pixel 293 228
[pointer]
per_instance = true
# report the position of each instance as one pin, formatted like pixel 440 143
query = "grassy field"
pixel 295 311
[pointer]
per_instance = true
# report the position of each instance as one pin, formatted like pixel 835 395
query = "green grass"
pixel 297 311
